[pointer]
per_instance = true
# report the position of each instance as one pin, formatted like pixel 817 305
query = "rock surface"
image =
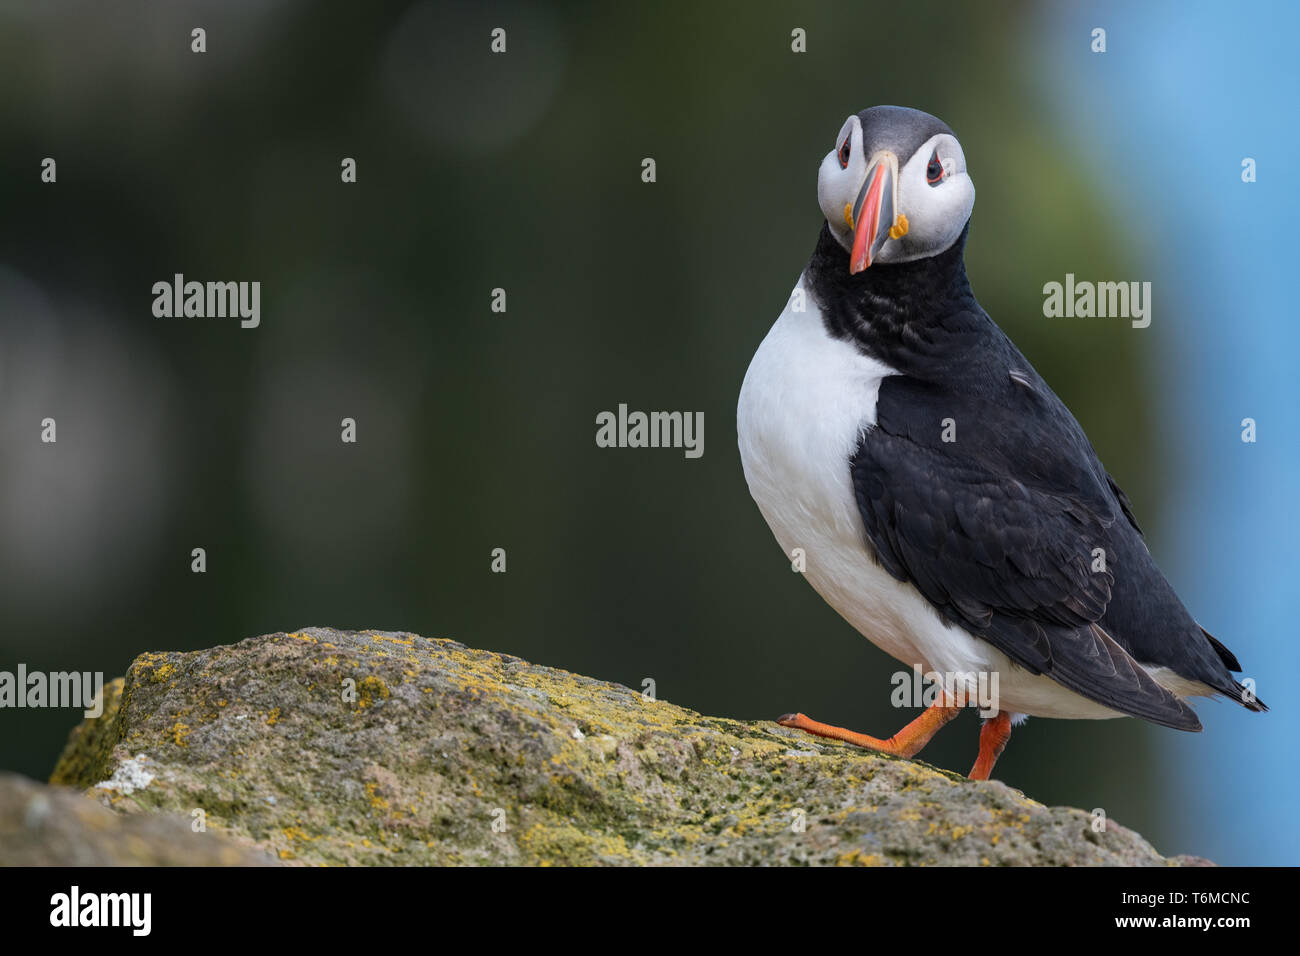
pixel 331 747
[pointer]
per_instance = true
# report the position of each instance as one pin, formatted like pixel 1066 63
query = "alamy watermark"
pixel 82 689
pixel 958 689
pixel 131 911
pixel 634 429
pixel 208 300
pixel 1102 300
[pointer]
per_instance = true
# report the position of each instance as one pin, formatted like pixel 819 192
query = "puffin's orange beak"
pixel 873 213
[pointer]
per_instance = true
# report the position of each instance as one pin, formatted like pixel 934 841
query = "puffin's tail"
pixel 1236 690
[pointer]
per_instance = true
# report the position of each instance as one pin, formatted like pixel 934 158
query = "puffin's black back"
pixel 999 529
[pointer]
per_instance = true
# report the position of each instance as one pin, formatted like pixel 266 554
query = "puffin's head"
pixel 895 187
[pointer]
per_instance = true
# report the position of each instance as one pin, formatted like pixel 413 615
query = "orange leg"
pixel 906 743
pixel 993 737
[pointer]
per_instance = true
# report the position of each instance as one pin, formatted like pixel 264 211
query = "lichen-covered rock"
pixel 386 748
pixel 41 825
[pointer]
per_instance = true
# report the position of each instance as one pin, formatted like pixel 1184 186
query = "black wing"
pixel 998 530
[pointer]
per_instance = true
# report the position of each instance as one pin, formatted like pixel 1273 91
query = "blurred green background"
pixel 476 430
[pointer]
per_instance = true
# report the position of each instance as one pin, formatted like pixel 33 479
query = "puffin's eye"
pixel 844 152
pixel 934 171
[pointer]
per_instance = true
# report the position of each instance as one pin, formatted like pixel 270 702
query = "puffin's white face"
pixel 886 207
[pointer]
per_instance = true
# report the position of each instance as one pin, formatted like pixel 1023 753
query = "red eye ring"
pixel 934 171
pixel 845 149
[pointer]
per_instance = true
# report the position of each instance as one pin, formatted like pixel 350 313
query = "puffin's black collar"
pixel 895 312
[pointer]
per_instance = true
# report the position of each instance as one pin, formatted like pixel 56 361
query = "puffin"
pixel 942 498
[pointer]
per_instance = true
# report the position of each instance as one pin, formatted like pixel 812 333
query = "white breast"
pixel 805 402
